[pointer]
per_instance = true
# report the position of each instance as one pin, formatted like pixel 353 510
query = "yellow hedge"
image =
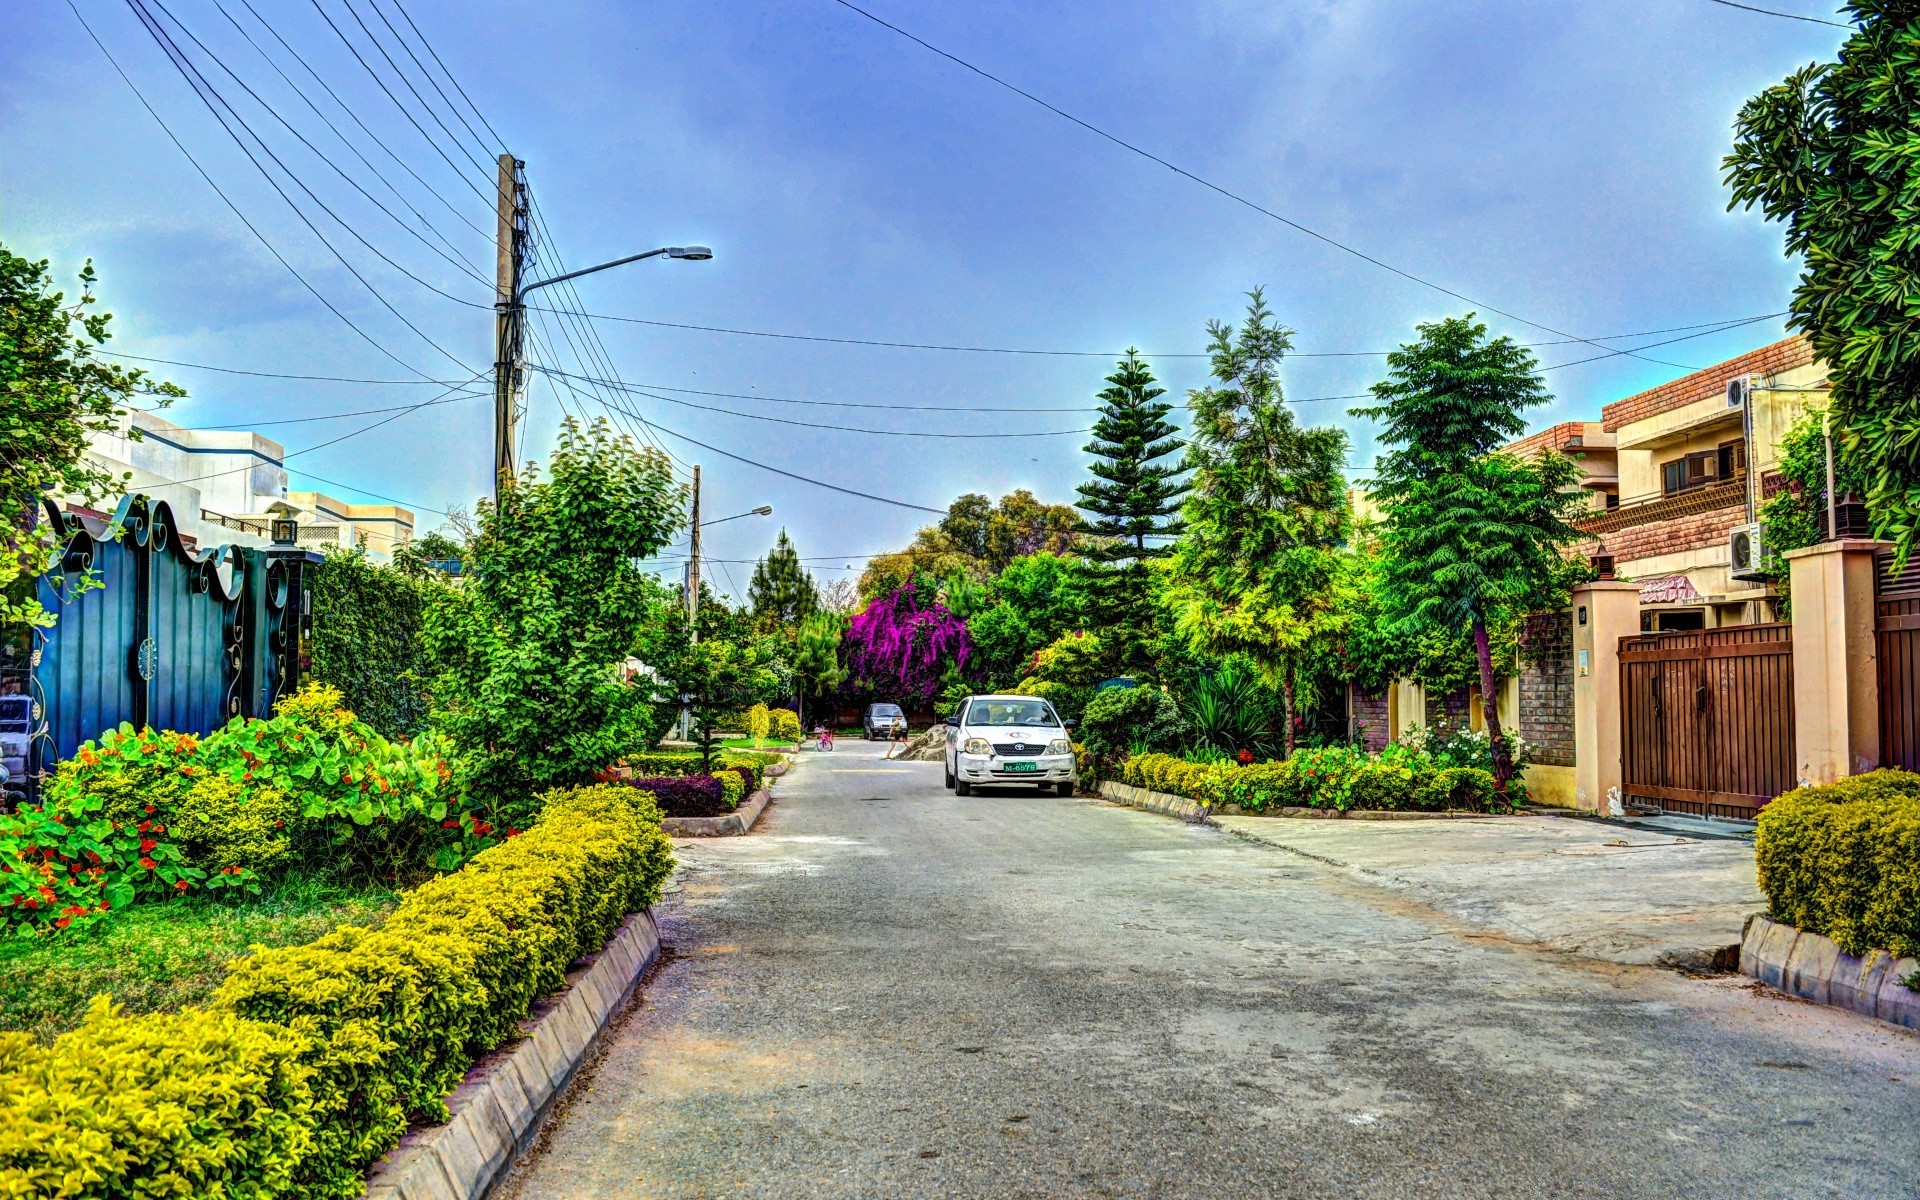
pixel 1843 859
pixel 338 1045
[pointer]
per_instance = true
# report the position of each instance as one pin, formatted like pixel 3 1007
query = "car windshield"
pixel 1011 712
pixel 886 710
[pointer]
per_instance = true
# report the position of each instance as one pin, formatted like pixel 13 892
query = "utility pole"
pixel 693 566
pixel 511 240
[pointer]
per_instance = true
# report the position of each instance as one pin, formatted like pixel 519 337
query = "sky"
pixel 1558 161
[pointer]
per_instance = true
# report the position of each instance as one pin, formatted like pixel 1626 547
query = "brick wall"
pixel 1668 537
pixel 1554 437
pixel 1767 360
pixel 1450 711
pixel 1546 688
pixel 1369 715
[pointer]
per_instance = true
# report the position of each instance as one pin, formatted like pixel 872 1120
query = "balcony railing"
pixel 1688 503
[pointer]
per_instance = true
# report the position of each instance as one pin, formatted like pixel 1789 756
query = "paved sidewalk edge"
pixel 1160 802
pixel 1812 967
pixel 739 821
pixel 500 1105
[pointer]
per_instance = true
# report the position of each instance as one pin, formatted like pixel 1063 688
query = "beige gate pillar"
pixel 1604 611
pixel 1836 686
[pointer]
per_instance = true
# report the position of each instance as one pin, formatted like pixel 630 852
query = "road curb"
pixel 732 824
pixel 499 1106
pixel 1192 810
pixel 1160 802
pixel 1812 967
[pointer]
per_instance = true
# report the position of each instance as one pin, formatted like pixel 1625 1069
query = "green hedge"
pixel 1334 777
pixel 311 1061
pixel 687 762
pixel 1843 860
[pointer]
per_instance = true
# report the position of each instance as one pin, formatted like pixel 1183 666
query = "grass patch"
pixel 744 743
pixel 158 957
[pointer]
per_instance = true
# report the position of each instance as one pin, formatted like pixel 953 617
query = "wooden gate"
pixel 1707 718
pixel 1897 646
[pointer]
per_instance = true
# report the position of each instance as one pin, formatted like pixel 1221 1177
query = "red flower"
pixel 148 863
pixel 62 922
pixel 149 810
pixel 1246 756
pixel 512 833
pixel 144 826
pixel 181 885
pixel 450 823
pixel 147 845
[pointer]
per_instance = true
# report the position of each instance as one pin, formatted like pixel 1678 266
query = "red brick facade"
pixel 1781 356
pixel 1669 537
pixel 1554 437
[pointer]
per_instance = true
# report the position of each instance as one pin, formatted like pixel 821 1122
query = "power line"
pixel 1216 188
pixel 1768 12
pixel 850 428
pixel 172 362
pixel 362 412
pixel 228 200
pixel 1710 326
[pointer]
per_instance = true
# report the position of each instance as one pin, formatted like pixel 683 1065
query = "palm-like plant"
pixel 1229 710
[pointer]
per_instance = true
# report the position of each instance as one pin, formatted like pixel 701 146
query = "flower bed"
pixel 309 1062
pixel 1843 860
pixel 1334 777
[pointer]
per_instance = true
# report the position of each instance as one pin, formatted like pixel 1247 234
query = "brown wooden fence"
pixel 1708 718
pixel 1897 646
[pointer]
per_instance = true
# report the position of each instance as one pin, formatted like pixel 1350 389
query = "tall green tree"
pixel 1471 537
pixel 1135 500
pixel 55 394
pixel 529 648
pixel 816 657
pixel 782 593
pixel 1833 151
pixel 1255 573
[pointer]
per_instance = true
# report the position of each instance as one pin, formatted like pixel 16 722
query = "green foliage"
pixel 1134 497
pixel 733 788
pixel 368 636
pixel 976 538
pixel 1332 777
pixel 715 678
pixel 782 593
pixel 1230 709
pixel 1794 515
pixel 1472 538
pixel 689 762
pixel 55 393
pixel 394 1017
pixel 1830 152
pixel 785 726
pixel 187 1105
pixel 1843 859
pixel 553 601
pixel 1037 599
pixel 1118 720
pixel 759 722
pixel 1255 574
pixel 1065 673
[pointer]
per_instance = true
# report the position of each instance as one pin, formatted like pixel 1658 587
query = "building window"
pixel 1703 468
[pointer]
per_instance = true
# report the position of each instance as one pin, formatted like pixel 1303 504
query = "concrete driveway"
pixel 887 991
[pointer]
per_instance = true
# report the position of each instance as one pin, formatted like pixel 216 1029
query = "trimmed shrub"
pixel 686 795
pixel 1169 773
pixel 759 723
pixel 1335 777
pixel 395 1016
pixel 186 1104
pixel 733 787
pixel 1843 860
pixel 1119 720
pixel 218 825
pixel 786 725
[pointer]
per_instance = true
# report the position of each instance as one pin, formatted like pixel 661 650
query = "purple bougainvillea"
pixel 901 648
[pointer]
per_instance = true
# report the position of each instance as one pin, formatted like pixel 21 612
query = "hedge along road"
pixel 889 991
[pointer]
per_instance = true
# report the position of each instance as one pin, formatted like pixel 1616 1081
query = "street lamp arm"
pixel 765 510
pixel 696 253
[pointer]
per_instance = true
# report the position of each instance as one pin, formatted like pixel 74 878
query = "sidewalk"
pixel 1580 886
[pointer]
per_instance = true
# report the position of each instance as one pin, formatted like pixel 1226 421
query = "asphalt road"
pixel 888 991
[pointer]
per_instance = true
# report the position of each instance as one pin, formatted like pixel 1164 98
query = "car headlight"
pixel 976 746
pixel 1060 746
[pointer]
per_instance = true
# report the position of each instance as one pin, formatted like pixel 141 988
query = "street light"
pixel 509 321
pixel 765 510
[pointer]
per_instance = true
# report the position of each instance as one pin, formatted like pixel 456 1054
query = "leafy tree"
pixel 716 679
pixel 1472 537
pixel 1795 514
pixel 816 657
pixel 782 592
pixel 528 648
pixel 1831 151
pixel 977 538
pixel 1038 598
pixel 1134 498
pixel 55 394
pixel 1255 574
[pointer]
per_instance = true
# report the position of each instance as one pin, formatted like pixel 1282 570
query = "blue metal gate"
pixel 154 633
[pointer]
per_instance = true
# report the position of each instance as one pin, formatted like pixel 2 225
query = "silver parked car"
pixel 884 721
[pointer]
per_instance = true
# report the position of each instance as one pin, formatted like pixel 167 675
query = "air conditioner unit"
pixel 1737 389
pixel 1746 551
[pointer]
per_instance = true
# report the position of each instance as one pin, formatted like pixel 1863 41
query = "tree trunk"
pixel 1286 708
pixel 1490 706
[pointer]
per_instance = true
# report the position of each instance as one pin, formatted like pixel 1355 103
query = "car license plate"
pixel 1020 766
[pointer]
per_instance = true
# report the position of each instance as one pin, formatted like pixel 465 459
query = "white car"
pixel 1008 739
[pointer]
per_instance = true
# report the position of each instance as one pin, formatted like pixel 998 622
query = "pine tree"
pixel 1134 498
pixel 1257 571
pixel 782 592
pixel 1472 536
